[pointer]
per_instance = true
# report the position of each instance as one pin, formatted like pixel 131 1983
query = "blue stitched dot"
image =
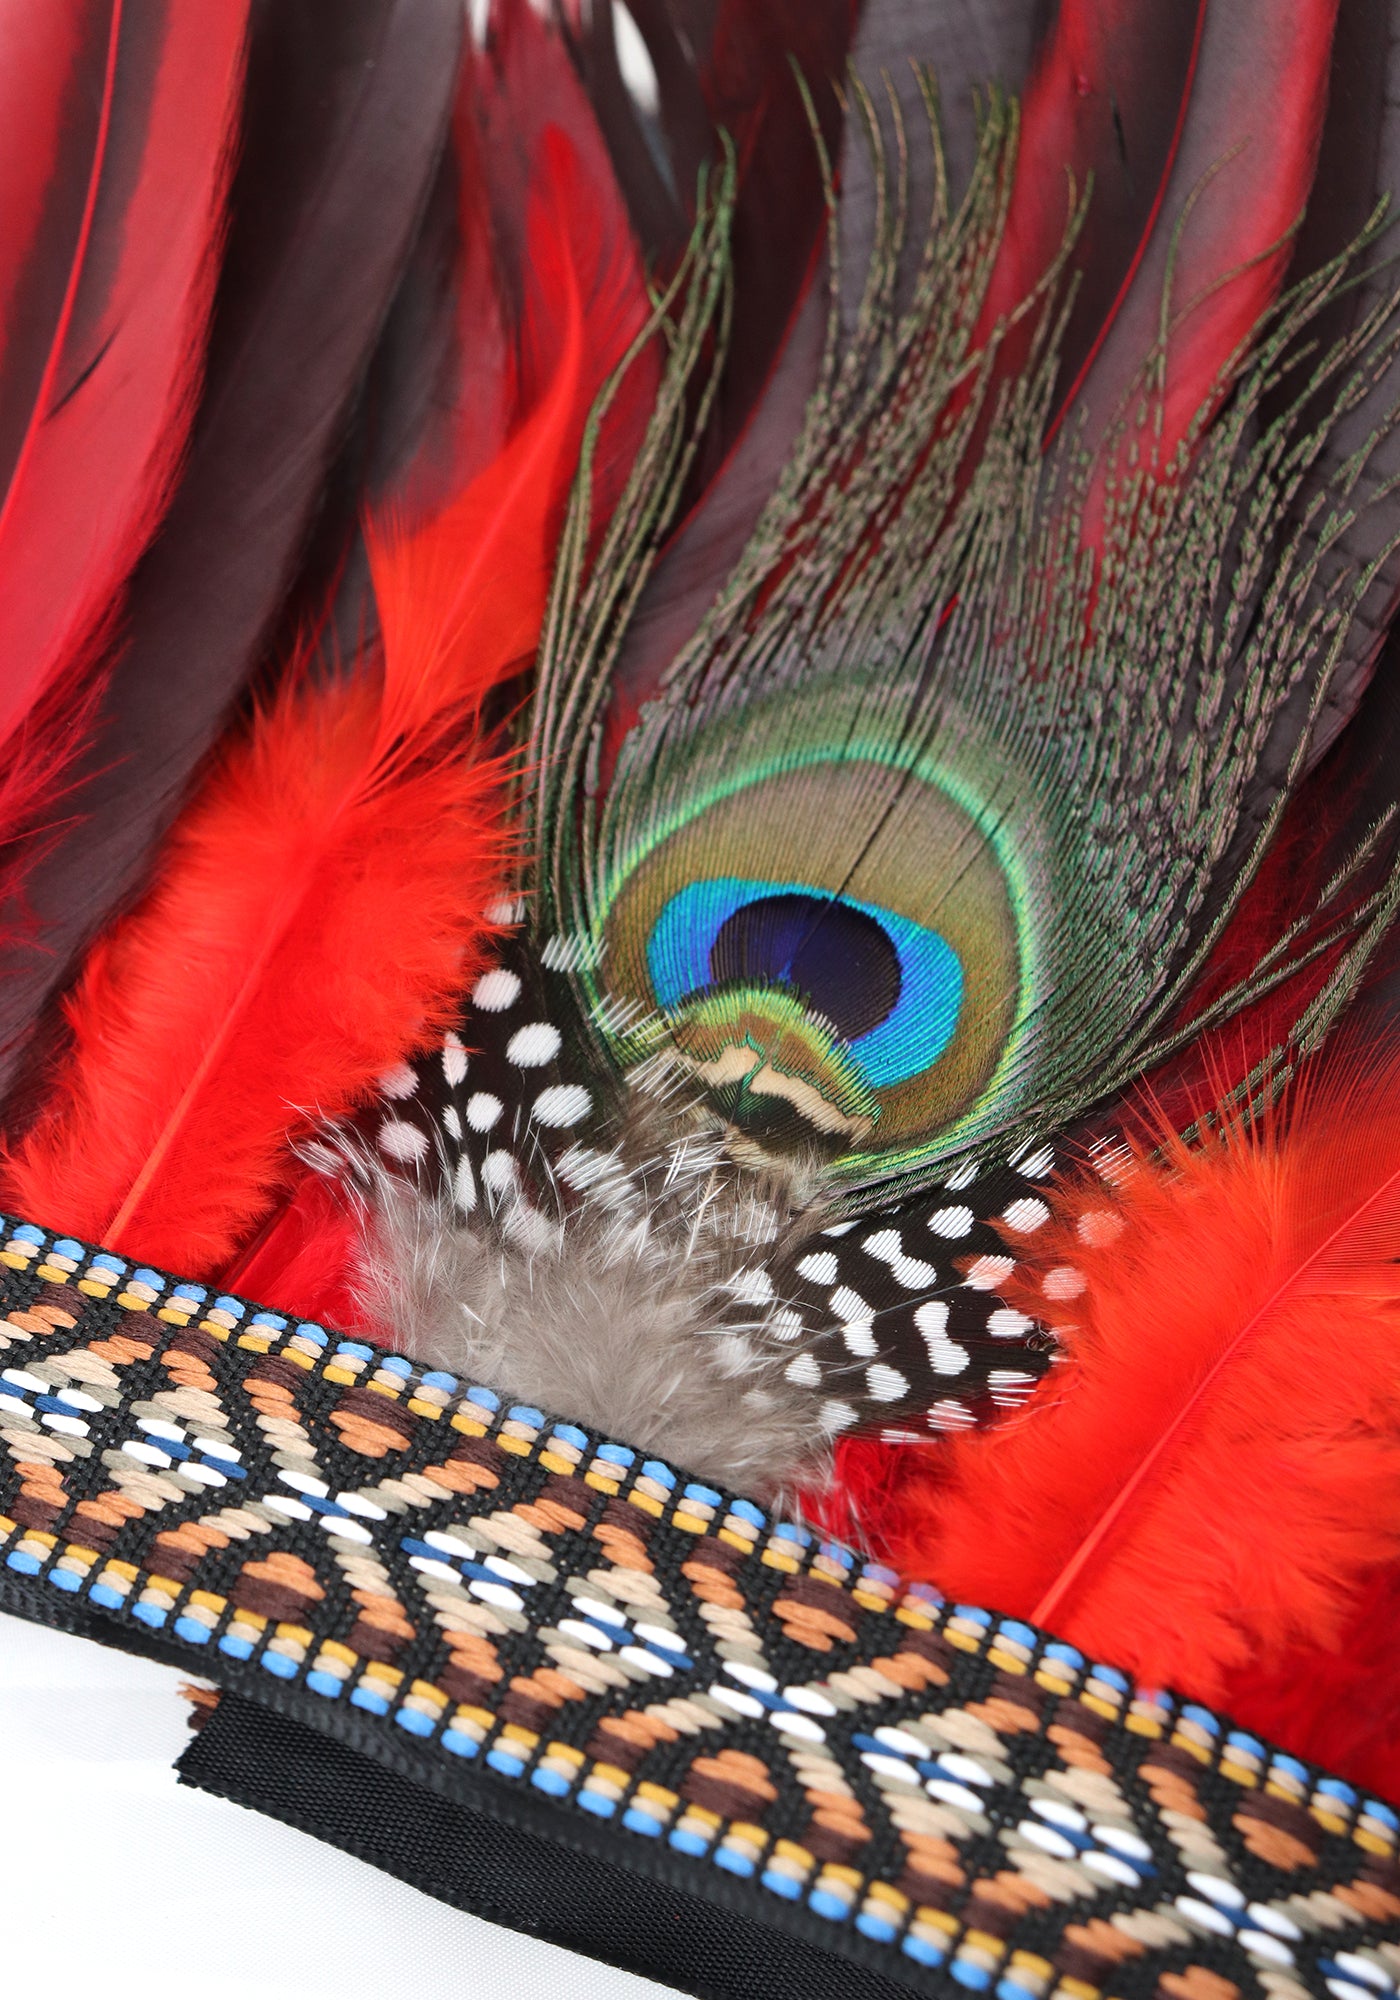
pixel 101 1593
pixel 525 1413
pixel 781 1885
pixel 1375 1810
pixel 568 1433
pixel 733 1863
pixel 235 1308
pixel 706 1495
pixel 686 1841
pixel 1019 1634
pixel 880 1928
pixel 375 1703
pixel 415 1722
pixel 834 1908
pixel 237 1649
pixel 67 1246
pixel 436 1379
pixel 144 1276
pixel 653 1468
pixel 192 1631
pixel 616 1454
pixel 1240 1739
pixel 597 1804
pixel 1112 1678
pixel 26 1564
pixel 395 1364
pixel 637 1821
pixel 923 1950
pixel 553 1782
pixel 273 1320
pixel 502 1761
pixel 968 1974
pixel 487 1398
pixel 307 1329
pixel 27 1233
pixel 459 1743
pixel 744 1510
pixel 279 1664
pixel 327 1684
pixel 356 1350
pixel 64 1579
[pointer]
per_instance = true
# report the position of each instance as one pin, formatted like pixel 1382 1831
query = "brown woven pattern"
pixel 717 1698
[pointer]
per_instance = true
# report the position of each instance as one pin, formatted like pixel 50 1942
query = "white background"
pixel 120 1882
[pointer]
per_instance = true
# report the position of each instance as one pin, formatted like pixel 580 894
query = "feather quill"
pixel 320 901
pixel 1209 1485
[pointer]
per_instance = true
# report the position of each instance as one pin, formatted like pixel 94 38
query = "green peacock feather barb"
pixel 933 825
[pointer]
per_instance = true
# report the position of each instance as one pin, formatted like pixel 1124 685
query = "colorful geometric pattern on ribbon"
pixel 703 1692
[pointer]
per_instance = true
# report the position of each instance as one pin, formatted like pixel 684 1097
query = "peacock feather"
pixel 914 859
pixel 933 825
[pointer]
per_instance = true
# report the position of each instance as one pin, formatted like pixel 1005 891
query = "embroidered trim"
pixel 657 1661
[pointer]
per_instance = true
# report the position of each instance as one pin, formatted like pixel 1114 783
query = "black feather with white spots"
pixel 897 1321
pixel 912 1297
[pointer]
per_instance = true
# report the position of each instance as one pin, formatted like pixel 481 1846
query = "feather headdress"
pixel 841 634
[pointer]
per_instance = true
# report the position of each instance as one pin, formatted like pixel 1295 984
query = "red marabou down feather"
pixel 116 138
pixel 320 900
pixel 1207 1491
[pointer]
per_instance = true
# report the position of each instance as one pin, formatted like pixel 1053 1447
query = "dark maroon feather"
pixel 348 102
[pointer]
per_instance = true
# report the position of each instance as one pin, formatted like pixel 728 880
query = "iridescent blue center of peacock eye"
pixel 890 987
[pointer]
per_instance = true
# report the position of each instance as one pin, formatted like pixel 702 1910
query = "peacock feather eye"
pixel 863 995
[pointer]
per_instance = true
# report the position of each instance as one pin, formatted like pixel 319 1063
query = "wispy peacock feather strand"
pixel 921 600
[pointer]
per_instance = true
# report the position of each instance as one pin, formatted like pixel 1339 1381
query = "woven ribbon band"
pixel 711 1712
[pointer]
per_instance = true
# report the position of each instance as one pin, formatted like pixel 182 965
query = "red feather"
pixel 304 1259
pixel 1209 1487
pixel 320 901
pixel 1198 251
pixel 1107 104
pixel 1223 236
pixel 117 129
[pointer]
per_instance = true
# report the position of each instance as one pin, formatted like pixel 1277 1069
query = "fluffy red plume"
pixel 1209 1487
pixel 116 135
pixel 320 901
